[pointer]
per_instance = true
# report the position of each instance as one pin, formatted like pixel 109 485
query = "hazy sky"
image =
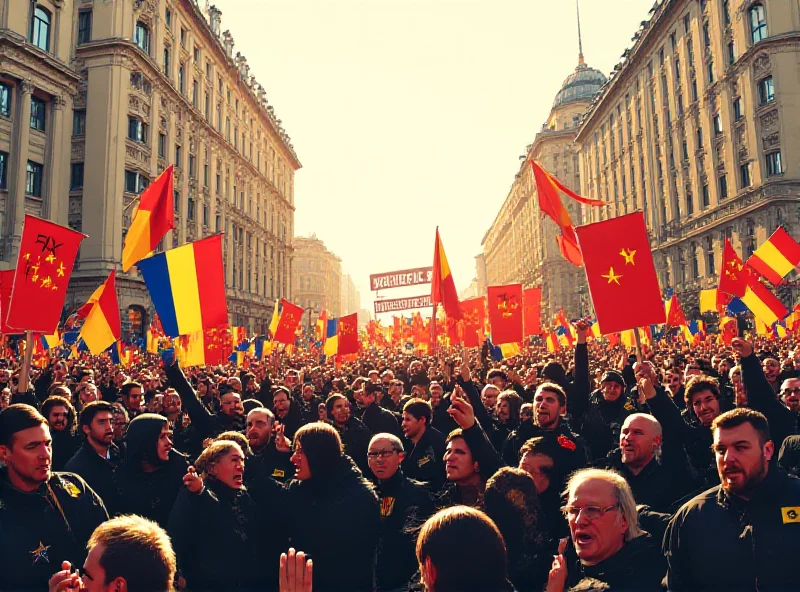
pixel 408 114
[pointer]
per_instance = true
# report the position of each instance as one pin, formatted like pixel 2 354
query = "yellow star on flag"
pixel 60 271
pixel 50 258
pixel 628 256
pixel 612 277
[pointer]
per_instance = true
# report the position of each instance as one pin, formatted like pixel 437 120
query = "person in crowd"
pixel 121 422
pixel 677 391
pixel 45 516
pixel 490 392
pixel 151 473
pixel 739 535
pixel 61 417
pixel 772 371
pixel 425 461
pixel 507 417
pixel 354 434
pixel 335 513
pixel 460 548
pixel 87 392
pixel 287 410
pixel 377 419
pixel 790 394
pixel 132 396
pixel 538 459
pixel 268 461
pixel 405 505
pixel 606 544
pixel 391 400
pixel 126 554
pixel 98 456
pixel 309 404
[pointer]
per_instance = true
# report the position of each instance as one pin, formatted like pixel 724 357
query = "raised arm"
pixel 201 417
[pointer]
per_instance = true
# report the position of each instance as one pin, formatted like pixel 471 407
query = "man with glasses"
pixel 405 505
pixel 790 394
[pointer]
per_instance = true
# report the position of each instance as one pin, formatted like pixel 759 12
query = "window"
pixel 79 122
pixel 731 53
pixel 695 262
pixel 196 54
pixel 717 124
pixel 207 107
pixel 168 16
pixel 737 109
pixel 176 200
pixel 694 90
pixel 685 149
pixel 84 26
pixel 40 28
pixel 228 129
pixel 3 169
pixel 76 176
pixel 190 208
pixel 774 166
pixel 766 91
pixel 137 130
pixel 194 94
pixel 744 175
pixel 183 37
pixel 166 61
pixel 192 165
pixel 135 182
pixel 699 138
pixel 726 12
pixel 686 23
pixel 208 69
pixel 162 145
pixel 723 186
pixel 178 155
pixel 689 203
pixel 5 99
pixel 219 183
pixel 710 267
pixel 706 196
pixel 706 36
pixel 205 174
pixel 710 71
pixel 758 23
pixel 33 179
pixel 141 37
pixel 37 114
pixel 219 118
pixel 181 79
pixel 205 215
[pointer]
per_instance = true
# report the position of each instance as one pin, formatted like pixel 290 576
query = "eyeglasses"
pixel 592 513
pixel 381 453
pixel 791 391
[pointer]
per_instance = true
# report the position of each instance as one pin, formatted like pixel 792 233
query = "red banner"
pixel 505 313
pixel 474 321
pixel 348 335
pixel 6 282
pixel 47 253
pixel 396 304
pixel 532 299
pixel 290 318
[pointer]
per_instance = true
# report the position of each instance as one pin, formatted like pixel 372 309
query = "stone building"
pixel 351 297
pixel 698 127
pixel 98 98
pixel 316 279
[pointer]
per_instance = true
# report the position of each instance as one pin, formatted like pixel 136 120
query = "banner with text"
pixel 396 304
pixel 399 279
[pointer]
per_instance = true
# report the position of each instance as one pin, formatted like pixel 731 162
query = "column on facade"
pixel 19 147
pixel 57 163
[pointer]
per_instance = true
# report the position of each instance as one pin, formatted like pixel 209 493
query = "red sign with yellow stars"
pixel 47 253
pixel 505 313
pixel 621 275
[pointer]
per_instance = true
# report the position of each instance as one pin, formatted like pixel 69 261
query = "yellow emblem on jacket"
pixel 71 489
pixel 790 514
pixel 387 506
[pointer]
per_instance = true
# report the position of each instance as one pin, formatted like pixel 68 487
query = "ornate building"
pixel 316 278
pixel 698 127
pixel 520 246
pixel 144 84
pixel 351 297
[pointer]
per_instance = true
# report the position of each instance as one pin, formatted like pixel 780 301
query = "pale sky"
pixel 408 114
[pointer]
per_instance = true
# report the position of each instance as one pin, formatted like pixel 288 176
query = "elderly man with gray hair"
pixel 606 544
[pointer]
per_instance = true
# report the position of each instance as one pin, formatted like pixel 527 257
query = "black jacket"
pixel 425 461
pixel 380 421
pixel 572 451
pixel 98 472
pixel 336 521
pixel 718 541
pixel 405 505
pixel 355 440
pixel 35 537
pixel 65 445
pixel 761 397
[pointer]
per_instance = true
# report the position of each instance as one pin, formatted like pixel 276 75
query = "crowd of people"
pixel 591 468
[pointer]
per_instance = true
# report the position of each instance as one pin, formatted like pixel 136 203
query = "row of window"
pixel 34 174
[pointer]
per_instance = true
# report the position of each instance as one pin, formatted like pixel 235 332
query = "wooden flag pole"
pixel 639 356
pixel 433 331
pixel 25 372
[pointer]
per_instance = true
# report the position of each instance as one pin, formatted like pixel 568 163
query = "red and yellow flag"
pixel 733 275
pixel 290 318
pixel 474 321
pixel 443 288
pixel 154 217
pixel 349 342
pixel 764 305
pixel 532 300
pixel 777 257
pixel 102 325
pixel 505 313
pixel 675 316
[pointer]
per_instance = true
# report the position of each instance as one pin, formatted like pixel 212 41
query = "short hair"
pixel 138 550
pixel 552 387
pixel 622 491
pixel 214 452
pixel 372 388
pixel 250 404
pixel 419 408
pixel 237 437
pixel 397 382
pixel 56 401
pixel 329 402
pixel 59 388
pixel 91 409
pixel 397 443
pixel 740 415
pixel 496 373
pixel 699 383
pixel 270 415
pixel 125 389
pixel 514 402
pixel 322 447
pixel 456 433
pixel 16 418
pixel 467 550
pixel 539 445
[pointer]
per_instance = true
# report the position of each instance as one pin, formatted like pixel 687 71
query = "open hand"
pixel 65 580
pixel 557 578
pixel 460 409
pixel 295 572
pixel 743 349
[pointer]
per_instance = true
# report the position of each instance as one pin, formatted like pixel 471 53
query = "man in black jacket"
pixel 425 462
pixel 742 534
pixel 405 505
pixel 267 460
pixel 61 417
pixel 98 456
pixel 377 419
pixel 354 434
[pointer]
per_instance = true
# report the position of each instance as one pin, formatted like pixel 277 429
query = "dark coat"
pixel 380 421
pixel 34 536
pixel 337 522
pixel 425 461
pixel 355 440
pixel 572 454
pixel 761 397
pixel 98 472
pixel 65 445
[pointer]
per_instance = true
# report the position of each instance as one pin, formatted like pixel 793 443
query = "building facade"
pixel 351 297
pixel 521 246
pixel 316 279
pixel 104 96
pixel 697 127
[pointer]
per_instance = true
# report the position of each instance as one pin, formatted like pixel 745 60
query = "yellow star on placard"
pixel 50 258
pixel 612 277
pixel 628 256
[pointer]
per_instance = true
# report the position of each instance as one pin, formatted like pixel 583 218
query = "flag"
pixel 273 324
pixel 348 335
pixel 102 325
pixel 729 329
pixel 564 328
pixel 764 305
pixel 474 315
pixel 154 217
pixel 152 341
pixel 174 280
pixel 621 275
pixel 505 313
pixel 290 318
pixel 51 341
pixel 551 339
pixel 532 301
pixel 238 337
pixel 47 253
pixel 237 358
pixel 6 283
pixel 777 257
pixel 675 316
pixel 733 275
pixel 708 301
pixel 443 287
pixel 331 346
pixel 322 322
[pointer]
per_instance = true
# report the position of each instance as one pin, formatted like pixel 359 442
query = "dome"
pixel 581 85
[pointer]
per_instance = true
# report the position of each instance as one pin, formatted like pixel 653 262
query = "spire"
pixel 580 41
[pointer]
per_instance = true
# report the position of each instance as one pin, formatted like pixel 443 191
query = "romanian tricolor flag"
pixel 322 324
pixel 777 257
pixel 331 347
pixel 238 336
pixel 708 300
pixel 764 305
pixel 552 342
pixel 174 280
pixel 154 217
pixel 102 325
pixel 443 288
pixel 51 341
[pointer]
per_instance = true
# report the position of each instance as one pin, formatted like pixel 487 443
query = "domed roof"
pixel 581 85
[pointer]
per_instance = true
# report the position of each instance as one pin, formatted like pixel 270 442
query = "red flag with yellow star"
pixel 505 313
pixel 47 253
pixel 348 335
pixel 733 276
pixel 621 275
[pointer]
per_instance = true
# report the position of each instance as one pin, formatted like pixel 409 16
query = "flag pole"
pixel 25 372
pixel 433 331
pixel 639 356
